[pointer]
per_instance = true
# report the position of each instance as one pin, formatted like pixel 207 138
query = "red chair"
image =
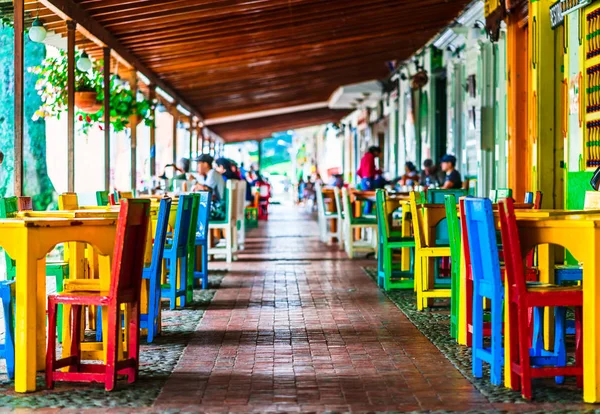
pixel 521 300
pixel 125 286
pixel 264 191
pixel 112 200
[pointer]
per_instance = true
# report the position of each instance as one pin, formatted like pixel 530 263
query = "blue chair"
pixel 7 350
pixel 176 252
pixel 153 273
pixel 202 238
pixel 487 283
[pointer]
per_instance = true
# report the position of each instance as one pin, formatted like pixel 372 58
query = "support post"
pixel 133 122
pixel 175 119
pixel 211 146
pixel 191 129
pixel 107 118
pixel 259 153
pixel 201 138
pixel 71 26
pixel 19 13
pixel 153 132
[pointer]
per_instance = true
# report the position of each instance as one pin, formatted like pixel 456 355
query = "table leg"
pixel 41 314
pixel 546 260
pixel 591 313
pixel 26 326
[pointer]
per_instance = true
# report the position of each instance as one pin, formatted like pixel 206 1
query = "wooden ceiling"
pixel 231 57
pixel 259 128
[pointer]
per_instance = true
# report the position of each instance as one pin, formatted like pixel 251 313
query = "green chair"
pixel 389 240
pixel 58 270
pixel 455 257
pixel 191 261
pixel 102 198
pixel 504 193
pixel 352 223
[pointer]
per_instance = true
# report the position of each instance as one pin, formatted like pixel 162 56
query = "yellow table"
pixel 28 241
pixel 580 234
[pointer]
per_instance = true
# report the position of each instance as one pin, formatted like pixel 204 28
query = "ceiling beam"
pixel 69 10
pixel 262 114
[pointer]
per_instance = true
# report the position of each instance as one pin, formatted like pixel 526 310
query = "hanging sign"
pixel 557 18
pixel 569 6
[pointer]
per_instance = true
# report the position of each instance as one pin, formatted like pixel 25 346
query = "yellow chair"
pixel 125 194
pixel 426 251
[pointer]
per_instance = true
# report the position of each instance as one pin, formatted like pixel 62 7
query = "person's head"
pixel 375 151
pixel 428 165
pixel 184 164
pixel 205 163
pixel 448 162
pixel 222 165
pixel 409 167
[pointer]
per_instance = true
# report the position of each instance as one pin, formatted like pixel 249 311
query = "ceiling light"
pixel 37 32
pixel 84 63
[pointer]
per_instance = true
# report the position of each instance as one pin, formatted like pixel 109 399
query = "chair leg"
pixel 51 348
pixel 497 351
pixel 112 344
pixel 579 343
pixel 152 309
pixel 9 342
pixel 204 267
pixel 183 281
pixel 173 283
pixel 134 341
pixel 228 245
pixel 419 280
pixel 524 355
pixel 386 254
pixel 98 324
pixel 560 318
pixel 477 366
pixel 515 379
pixel 537 340
pixel 76 323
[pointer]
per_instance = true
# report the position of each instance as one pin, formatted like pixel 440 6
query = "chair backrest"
pixel 9 206
pixel 416 212
pixel 438 196
pixel 320 199
pixel 203 216
pixel 264 190
pixel 485 264
pixel 182 221
pixel 160 235
pixel 453 229
pixel 466 255
pixel 337 197
pixel 503 193
pixel 112 199
pixel 528 197
pixel 125 195
pixel 347 206
pixel 102 198
pixel 537 200
pixel 193 221
pixel 25 204
pixel 493 196
pixel 68 201
pixel 511 244
pixel 129 252
pixel 241 198
pixel 231 200
pixel 383 216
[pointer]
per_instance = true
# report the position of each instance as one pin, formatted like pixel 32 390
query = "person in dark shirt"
pixel 432 175
pixel 453 179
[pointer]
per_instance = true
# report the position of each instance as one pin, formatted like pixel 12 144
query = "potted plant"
pixel 89 95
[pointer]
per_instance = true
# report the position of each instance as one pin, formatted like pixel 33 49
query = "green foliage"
pixel 52 88
pixel 36 180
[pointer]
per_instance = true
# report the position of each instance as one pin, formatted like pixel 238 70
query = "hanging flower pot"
pixel 419 79
pixel 87 102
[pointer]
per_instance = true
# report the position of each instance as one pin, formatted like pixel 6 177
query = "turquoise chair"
pixel 201 237
pixel 102 198
pixel 390 240
pixel 153 273
pixel 191 250
pixel 176 252
pixel 7 350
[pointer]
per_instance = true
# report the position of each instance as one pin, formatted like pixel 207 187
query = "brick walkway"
pixel 295 326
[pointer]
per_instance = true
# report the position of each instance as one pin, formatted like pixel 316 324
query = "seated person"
pixel 410 177
pixel 209 179
pixel 453 179
pixel 432 175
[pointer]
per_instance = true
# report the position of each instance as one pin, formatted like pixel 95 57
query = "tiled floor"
pixel 295 326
